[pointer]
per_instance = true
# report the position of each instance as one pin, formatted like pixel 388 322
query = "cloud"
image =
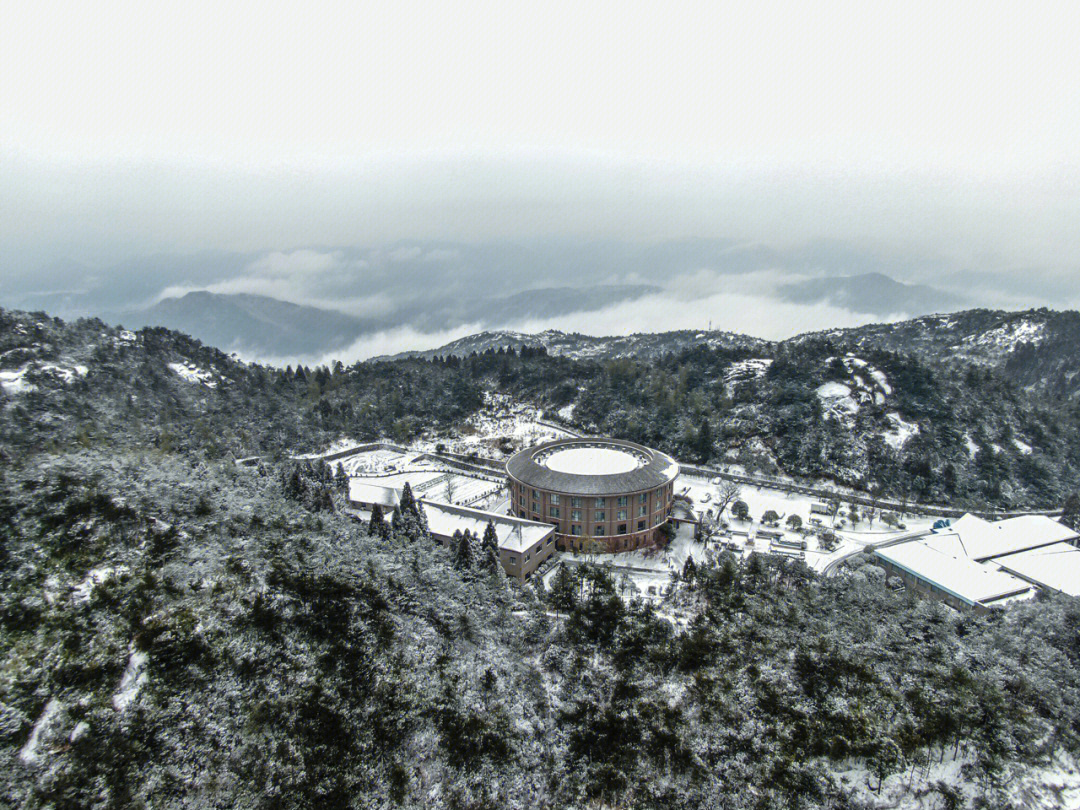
pixel 280 264
pixel 384 342
pixel 405 254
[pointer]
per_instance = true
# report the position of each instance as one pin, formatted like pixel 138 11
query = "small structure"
pixel 523 544
pixel 363 495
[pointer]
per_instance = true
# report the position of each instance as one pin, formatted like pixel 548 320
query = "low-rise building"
pixel 1055 567
pixel 957 581
pixel 976 563
pixel 363 495
pixel 524 545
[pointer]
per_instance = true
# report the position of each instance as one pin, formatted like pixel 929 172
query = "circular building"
pixel 605 494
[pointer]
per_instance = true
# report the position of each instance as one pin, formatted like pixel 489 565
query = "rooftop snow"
pixel 981 540
pixel 592 461
pixel 1056 567
pixel 363 492
pixel 515 534
pixel 962 577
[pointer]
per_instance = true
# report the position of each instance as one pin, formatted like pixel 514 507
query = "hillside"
pixel 903 425
pixel 178 631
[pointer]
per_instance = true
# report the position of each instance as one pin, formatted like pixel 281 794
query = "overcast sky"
pixel 130 127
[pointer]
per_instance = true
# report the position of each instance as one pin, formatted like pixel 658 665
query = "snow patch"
pixel 82 592
pixel 30 754
pixel 194 374
pixel 900 433
pixel 836 400
pixel 15 382
pixel 1024 448
pixel 131 681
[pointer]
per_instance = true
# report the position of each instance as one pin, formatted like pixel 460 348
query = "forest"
pixel 178 630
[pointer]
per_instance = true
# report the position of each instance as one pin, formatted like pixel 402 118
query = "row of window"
pixel 642 525
pixel 598 503
pixel 512 559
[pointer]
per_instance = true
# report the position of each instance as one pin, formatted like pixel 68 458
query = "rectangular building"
pixel 523 544
pixel 931 569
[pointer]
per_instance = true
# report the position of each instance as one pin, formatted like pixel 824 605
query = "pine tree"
pixel 491 537
pixel 463 555
pixel 377 523
pixel 407 504
pixel 563 594
pixel 341 478
pixel 705 441
pixel 397 523
pixel 689 571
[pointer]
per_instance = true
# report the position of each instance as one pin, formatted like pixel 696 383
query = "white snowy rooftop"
pixel 515 534
pixel 592 461
pixel 962 577
pixel 361 492
pixel 1056 567
pixel 982 539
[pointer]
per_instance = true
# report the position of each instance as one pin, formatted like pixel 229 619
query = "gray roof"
pixel 659 469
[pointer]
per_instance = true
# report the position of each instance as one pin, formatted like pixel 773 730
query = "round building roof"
pixel 592 467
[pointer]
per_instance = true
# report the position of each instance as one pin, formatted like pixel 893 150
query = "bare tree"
pixel 726 493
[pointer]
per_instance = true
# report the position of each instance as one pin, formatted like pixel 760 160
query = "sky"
pixel 950 129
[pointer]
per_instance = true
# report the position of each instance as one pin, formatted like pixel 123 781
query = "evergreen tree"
pixel 704 441
pixel 491 537
pixel 408 500
pixel 463 553
pixel 377 523
pixel 397 523
pixel 341 479
pixel 689 571
pixel 563 594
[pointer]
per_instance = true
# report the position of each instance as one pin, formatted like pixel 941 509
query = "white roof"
pixel 962 577
pixel 363 492
pixel 515 534
pixel 981 540
pixel 592 461
pixel 1056 567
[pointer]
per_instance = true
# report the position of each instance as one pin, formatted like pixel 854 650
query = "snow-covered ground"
pixel 649 570
pixel 194 374
pixel 94 577
pixel 901 431
pixel 14 381
pixel 132 681
pixel 1050 787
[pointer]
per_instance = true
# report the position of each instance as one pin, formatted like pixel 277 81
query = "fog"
pixel 402 163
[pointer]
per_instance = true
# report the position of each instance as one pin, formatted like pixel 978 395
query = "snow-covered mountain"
pixel 578 346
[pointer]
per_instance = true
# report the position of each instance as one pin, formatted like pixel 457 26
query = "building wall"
pixel 522 564
pixel 926 587
pixel 518 564
pixel 614 521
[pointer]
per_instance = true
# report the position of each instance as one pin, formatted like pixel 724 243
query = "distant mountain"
pixel 1038 349
pixel 578 346
pixel 251 324
pixel 871 293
